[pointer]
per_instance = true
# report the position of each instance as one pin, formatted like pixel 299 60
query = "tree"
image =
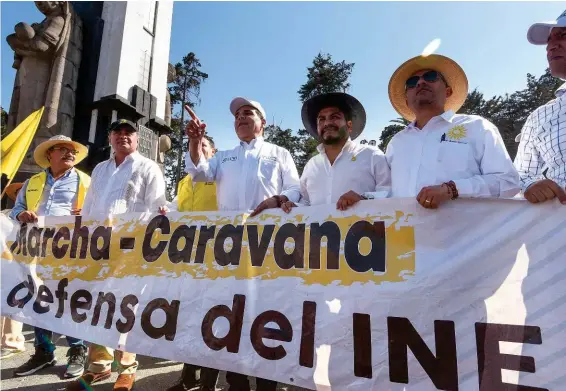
pixel 325 76
pixel 283 138
pixel 184 91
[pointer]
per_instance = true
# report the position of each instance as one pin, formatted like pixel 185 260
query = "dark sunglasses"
pixel 430 77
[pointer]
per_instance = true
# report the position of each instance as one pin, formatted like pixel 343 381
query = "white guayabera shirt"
pixel 466 149
pixel 542 151
pixel 248 174
pixel 136 185
pixel 359 168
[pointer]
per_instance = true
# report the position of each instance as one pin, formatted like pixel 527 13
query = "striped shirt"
pixel 136 185
pixel 542 151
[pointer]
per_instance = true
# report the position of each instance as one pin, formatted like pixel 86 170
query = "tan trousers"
pixel 100 360
pixel 12 337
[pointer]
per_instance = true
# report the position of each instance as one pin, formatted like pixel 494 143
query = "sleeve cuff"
pixel 372 195
pixel 291 195
pixel 190 166
pixel 525 183
pixel 464 187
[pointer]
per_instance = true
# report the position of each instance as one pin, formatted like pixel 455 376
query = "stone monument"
pixel 47 57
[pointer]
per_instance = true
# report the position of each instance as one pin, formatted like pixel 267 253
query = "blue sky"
pixel 261 49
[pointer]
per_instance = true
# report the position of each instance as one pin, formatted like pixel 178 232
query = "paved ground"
pixel 153 374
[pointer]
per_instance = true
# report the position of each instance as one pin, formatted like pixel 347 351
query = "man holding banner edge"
pixel 441 156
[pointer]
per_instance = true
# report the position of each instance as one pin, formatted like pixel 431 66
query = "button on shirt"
pixel 466 149
pixel 543 143
pixel 248 174
pixel 362 169
pixel 59 196
pixel 136 185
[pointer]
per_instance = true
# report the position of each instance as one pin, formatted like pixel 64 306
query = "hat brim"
pixel 538 33
pixel 312 107
pixel 40 152
pixel 12 189
pixel 452 72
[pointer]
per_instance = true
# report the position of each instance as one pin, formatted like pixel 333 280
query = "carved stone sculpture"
pixel 47 57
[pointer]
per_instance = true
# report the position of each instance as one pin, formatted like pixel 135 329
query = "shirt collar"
pixel 348 146
pixel 131 156
pixel 560 92
pixel 255 143
pixel 447 116
pixel 50 176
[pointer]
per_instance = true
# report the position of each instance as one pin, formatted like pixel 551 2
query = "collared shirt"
pixel 466 149
pixel 360 168
pixel 543 143
pixel 136 185
pixel 248 174
pixel 58 198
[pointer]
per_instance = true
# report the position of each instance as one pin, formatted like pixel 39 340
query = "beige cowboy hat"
pixel 12 190
pixel 40 153
pixel 452 72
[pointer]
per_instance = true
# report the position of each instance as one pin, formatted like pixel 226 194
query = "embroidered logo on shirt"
pixel 229 159
pixel 272 158
pixel 353 158
pixel 455 135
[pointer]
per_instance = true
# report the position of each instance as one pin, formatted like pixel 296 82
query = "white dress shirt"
pixel 466 149
pixel 136 185
pixel 248 174
pixel 360 168
pixel 543 143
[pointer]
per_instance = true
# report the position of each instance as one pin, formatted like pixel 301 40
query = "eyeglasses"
pixel 430 77
pixel 64 150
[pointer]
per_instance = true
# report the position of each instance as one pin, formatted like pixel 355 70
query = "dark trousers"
pixel 205 381
pixel 239 382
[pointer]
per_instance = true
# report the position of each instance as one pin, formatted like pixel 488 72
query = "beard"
pixel 332 140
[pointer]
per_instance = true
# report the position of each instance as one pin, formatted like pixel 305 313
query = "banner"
pixel 385 296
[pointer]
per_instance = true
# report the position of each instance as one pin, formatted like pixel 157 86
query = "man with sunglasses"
pixel 58 190
pixel 541 158
pixel 440 155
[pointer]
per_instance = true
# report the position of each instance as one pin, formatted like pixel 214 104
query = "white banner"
pixel 385 296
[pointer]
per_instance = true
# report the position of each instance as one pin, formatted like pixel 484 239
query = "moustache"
pixel 330 127
pixel 424 88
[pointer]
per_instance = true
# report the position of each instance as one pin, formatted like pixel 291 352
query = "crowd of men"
pixel 440 156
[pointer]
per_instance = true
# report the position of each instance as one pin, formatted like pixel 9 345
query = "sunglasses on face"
pixel 430 77
pixel 65 150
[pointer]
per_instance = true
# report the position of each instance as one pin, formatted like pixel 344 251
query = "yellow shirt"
pixel 196 197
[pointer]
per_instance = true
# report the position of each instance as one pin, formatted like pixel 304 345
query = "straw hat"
pixel 451 71
pixel 312 107
pixel 12 190
pixel 40 153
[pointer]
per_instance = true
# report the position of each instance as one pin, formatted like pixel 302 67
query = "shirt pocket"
pixel 454 157
pixel 268 172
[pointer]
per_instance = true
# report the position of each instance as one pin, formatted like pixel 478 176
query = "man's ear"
pixel 350 125
pixel 449 92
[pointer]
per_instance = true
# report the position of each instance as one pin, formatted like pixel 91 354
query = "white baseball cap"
pixel 538 33
pixel 239 102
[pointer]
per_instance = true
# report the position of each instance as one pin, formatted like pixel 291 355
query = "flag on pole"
pixel 15 145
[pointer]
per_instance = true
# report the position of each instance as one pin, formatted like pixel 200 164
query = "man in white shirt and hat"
pixel 254 176
pixel 344 172
pixel 541 157
pixel 440 155
pixel 127 182
pixel 58 190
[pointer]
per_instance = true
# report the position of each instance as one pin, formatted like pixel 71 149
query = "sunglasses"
pixel 65 150
pixel 429 77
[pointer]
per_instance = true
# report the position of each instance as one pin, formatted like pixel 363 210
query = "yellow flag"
pixel 15 145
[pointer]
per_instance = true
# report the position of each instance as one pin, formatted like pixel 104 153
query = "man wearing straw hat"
pixel 58 190
pixel 344 172
pixel 440 155
pixel 541 157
